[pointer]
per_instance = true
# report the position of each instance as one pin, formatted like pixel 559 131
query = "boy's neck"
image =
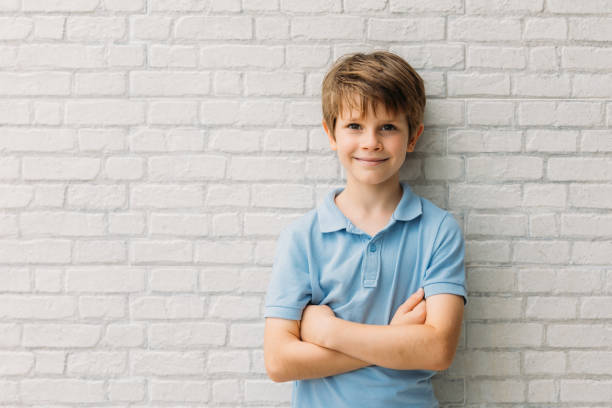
pixel 371 199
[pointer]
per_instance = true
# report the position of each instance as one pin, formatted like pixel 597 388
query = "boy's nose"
pixel 371 140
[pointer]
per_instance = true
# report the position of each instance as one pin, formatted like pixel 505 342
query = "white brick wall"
pixel 152 150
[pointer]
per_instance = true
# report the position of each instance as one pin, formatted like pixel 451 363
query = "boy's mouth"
pixel 370 160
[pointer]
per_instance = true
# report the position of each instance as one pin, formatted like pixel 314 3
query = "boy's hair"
pixel 377 77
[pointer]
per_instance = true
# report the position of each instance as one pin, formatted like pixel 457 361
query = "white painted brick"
pixel 496 57
pixel 213 27
pixel 592 252
pixel 131 390
pixel 544 140
pixel 167 307
pixel 431 55
pixel 61 223
pixel 545 28
pixel 100 139
pixel 15 28
pixel 169 83
pixel 173 113
pixel 219 279
pixel 94 29
pixel 104 279
pixel 589 362
pixel 105 112
pixel 478 83
pixel 99 251
pixel 124 168
pixel 489 363
pixel 468 28
pixel 570 7
pixel 95 196
pixel 503 7
pixel 126 55
pixel 41 83
pixel 497 224
pixel 590 195
pixel 580 335
pixel 406 29
pixel 487 251
pixel 61 56
pixel 47 113
pixel 596 308
pixel 102 307
pixel 95 84
pixel 14 113
pixel 186 167
pixel 542 391
pixel 328 27
pixel 505 334
pixel 172 56
pixel 586 58
pixel 37 139
pixel 97 363
pixel 226 391
pixel 544 195
pixel 544 362
pixel 460 141
pixel 549 113
pixel 274 83
pixel 262 168
pixel 282 196
pixel 124 335
pixel 64 335
pixel 586 224
pixel 227 224
pixel 234 307
pixel 174 335
pixel 156 251
pixel 179 391
pixel 272 28
pixel 282 140
pixel 322 168
pixel 123 5
pixel 255 279
pixel 444 113
pixel 10 5
pixel 543 225
pixel 241 56
pixel 443 168
pixel 596 141
pixel 494 168
pixel 541 85
pixel 266 390
pixel 173 279
pixel 493 308
pixel 246 335
pixel 227 83
pixel 16 363
pixel 590 28
pixel 185 139
pixel 543 59
pixel 126 223
pixel 263 112
pixel 180 224
pixel 307 56
pixel 150 27
pixel 224 252
pixel 491 113
pixel 172 5
pixel 592 85
pixel 234 140
pixel 559 281
pixel 585 390
pixel 59 5
pixel 69 390
pixel 223 195
pixel 228 361
pixel 49 362
pixel 507 390
pixel 444 6
pixel 591 169
pixel 552 252
pixel 219 112
pixel 485 196
pixel 148 362
pixel 48 280
pixel 546 308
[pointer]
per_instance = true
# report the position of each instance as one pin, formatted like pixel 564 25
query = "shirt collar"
pixel 332 219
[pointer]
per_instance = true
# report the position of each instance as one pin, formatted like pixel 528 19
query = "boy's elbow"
pixel 273 371
pixel 446 354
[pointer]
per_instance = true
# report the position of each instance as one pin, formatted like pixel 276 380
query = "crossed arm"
pixel 421 335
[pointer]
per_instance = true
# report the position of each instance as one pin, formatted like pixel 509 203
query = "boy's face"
pixel 373 148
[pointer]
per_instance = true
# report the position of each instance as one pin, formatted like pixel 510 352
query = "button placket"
pixel 371 264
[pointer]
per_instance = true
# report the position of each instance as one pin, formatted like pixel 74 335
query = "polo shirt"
pixel 323 259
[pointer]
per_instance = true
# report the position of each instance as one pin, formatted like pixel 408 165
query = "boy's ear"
pixel 332 140
pixel 415 137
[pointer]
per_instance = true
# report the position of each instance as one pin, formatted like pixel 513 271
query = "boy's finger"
pixel 414 299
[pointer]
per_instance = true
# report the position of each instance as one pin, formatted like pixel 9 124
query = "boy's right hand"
pixel 412 311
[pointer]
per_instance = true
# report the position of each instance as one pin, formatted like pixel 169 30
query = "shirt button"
pixel 373 248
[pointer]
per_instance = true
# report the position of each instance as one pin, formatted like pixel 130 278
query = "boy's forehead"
pixel 354 110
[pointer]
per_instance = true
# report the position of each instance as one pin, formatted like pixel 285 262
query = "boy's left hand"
pixel 316 320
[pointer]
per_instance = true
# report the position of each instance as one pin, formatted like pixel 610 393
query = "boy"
pixel 335 321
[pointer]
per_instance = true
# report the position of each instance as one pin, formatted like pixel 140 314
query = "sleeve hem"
pixel 437 288
pixel 283 312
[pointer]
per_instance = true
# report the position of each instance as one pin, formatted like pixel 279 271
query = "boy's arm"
pixel 430 346
pixel 288 358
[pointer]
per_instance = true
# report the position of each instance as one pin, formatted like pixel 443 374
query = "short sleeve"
pixel 446 271
pixel 289 290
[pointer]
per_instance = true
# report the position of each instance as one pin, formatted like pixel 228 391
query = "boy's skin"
pixel 422 334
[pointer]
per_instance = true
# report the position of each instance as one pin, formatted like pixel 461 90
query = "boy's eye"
pixel 353 126
pixel 388 127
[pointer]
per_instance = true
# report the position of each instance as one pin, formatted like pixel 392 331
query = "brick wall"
pixel 151 151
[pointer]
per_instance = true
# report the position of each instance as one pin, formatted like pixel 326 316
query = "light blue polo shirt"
pixel 322 258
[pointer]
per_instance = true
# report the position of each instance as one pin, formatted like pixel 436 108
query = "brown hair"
pixel 377 77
